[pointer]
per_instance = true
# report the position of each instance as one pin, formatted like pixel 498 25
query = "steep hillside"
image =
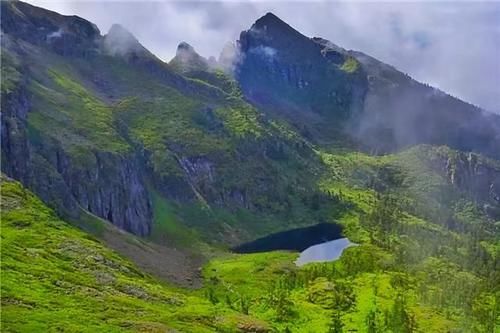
pixel 57 278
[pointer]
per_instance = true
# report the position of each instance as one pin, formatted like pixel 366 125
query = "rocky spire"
pixel 120 41
pixel 187 60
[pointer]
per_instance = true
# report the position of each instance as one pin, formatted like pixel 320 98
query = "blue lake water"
pixel 327 251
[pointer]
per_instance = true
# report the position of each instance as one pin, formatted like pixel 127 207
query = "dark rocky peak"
pixel 306 79
pixel 184 47
pixel 273 39
pixel 272 24
pixel 272 32
pixel 186 60
pixel 66 35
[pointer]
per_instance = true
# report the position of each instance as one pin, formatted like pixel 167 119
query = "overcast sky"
pixel 452 46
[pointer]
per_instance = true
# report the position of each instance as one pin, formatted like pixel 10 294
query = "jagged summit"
pixel 269 19
pixel 271 26
pixel 185 47
pixel 119 30
pixel 272 22
pixel 120 41
pixel 188 60
pixel 20 18
pixel 313 85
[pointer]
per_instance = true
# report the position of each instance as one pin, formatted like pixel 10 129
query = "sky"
pixel 453 46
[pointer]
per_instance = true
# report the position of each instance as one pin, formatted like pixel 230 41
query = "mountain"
pixel 78 124
pixel 318 86
pixel 187 60
pixel 171 165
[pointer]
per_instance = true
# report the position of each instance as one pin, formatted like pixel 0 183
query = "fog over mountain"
pixel 454 47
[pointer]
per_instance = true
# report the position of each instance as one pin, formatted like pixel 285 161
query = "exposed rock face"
pixel 112 189
pixel 15 150
pixel 187 61
pixel 473 175
pixel 198 169
pixel 470 174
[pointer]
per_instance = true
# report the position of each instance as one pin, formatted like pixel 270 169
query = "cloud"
pixel 454 46
pixel 264 51
pixel 54 34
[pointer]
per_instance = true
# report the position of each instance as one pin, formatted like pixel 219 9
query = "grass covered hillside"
pixel 91 288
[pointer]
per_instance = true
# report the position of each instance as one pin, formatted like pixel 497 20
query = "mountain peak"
pixel 119 30
pixel 187 59
pixel 185 47
pixel 269 18
pixel 271 22
pixel 120 41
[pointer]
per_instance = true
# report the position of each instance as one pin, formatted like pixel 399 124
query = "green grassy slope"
pixel 57 278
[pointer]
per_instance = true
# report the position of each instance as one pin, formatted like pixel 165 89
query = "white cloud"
pixel 264 51
pixel 454 46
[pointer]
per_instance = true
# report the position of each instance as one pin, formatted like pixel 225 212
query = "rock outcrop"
pixel 187 61
pixel 113 188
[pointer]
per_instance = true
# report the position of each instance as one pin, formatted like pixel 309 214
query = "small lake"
pixel 327 251
pixel 297 239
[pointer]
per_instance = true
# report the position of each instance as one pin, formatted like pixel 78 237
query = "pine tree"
pixel 336 324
